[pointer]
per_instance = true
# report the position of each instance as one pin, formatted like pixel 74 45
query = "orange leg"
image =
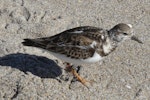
pixel 82 80
pixel 74 72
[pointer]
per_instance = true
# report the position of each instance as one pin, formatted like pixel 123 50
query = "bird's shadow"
pixel 37 65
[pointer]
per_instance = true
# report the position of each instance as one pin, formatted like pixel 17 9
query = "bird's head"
pixel 122 32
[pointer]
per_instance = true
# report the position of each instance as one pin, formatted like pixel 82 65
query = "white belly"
pixel 95 58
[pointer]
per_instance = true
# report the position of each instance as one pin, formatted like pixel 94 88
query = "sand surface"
pixel 33 74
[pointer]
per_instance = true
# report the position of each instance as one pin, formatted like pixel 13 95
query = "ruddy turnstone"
pixel 84 44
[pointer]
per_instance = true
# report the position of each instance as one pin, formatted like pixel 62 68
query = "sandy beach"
pixel 33 74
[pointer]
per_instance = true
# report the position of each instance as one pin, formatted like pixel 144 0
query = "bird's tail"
pixel 34 43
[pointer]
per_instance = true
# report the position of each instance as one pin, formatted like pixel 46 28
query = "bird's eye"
pixel 125 33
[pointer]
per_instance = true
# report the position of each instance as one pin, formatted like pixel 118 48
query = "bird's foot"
pixel 75 71
pixel 79 78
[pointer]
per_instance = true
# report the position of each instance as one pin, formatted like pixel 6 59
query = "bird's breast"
pixel 107 46
pixel 95 58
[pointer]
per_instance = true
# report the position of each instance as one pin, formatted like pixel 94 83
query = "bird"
pixel 84 44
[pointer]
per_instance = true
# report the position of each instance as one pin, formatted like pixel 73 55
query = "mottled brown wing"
pixel 64 38
pixel 70 42
pixel 72 52
pixel 78 36
pixel 75 45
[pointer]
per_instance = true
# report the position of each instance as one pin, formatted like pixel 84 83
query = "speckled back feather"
pixel 70 43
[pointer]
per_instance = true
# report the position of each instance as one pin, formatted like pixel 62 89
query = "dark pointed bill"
pixel 136 39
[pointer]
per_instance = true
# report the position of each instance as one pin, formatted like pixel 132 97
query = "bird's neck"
pixel 109 46
pixel 112 35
